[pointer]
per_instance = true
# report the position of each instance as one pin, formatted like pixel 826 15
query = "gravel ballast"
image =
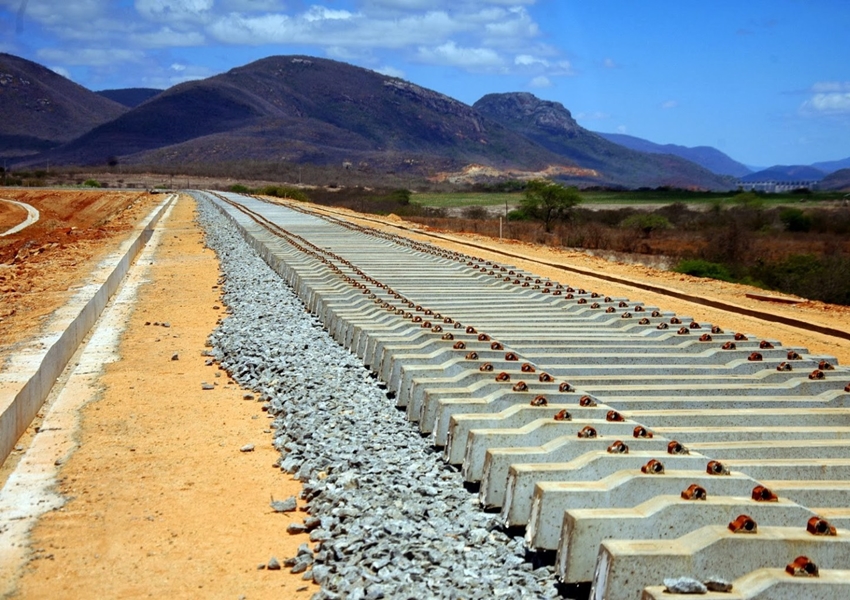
pixel 388 518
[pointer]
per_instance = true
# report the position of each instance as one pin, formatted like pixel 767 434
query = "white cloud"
pixel 609 63
pixel 828 98
pixel 91 57
pixel 453 55
pixel 540 82
pixel 528 60
pixel 167 38
pixel 391 71
pixel 668 104
pixel 596 115
pixel 175 10
pixel 61 71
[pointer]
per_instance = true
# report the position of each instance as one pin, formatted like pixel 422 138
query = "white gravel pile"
pixel 388 518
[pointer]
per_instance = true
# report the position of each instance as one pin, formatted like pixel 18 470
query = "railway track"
pixel 629 443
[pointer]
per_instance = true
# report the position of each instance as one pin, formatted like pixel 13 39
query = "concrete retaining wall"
pixel 28 377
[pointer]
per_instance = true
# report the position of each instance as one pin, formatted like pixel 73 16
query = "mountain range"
pixel 42 109
pixel 303 109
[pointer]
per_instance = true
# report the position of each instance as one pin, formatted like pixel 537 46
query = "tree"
pixel 547 201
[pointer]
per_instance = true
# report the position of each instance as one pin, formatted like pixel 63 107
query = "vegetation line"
pixel 734 308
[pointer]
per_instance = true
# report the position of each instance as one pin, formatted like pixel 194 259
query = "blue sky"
pixel 767 82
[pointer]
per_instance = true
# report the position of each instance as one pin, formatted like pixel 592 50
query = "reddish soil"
pixel 39 264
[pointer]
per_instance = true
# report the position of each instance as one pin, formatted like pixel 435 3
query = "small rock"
pixel 288 505
pixel 300 567
pixel 308 575
pixel 274 565
pixel 207 386
pixel 175 356
pixel 166 324
pixel 290 562
pixel 261 566
pixel 248 397
pixel 717 584
pixel 247 448
pixel 295 528
pixel 685 585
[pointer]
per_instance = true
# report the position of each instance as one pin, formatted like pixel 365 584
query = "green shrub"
pixel 282 191
pixel 93 183
pixel 795 219
pixel 518 215
pixel 703 268
pixel 646 223
pixel 238 188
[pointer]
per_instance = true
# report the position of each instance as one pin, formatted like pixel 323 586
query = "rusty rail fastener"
pixel 675 447
pixel 743 524
pixel 755 357
pixel 486 367
pixel 618 447
pixel 448 337
pixel 527 368
pixel 566 387
pixel 728 346
pixel 587 401
pixel 715 467
pixel 716 330
pixel 587 432
pixel 802 567
pixel 496 346
pixel 783 366
pixel 503 377
pixel 817 374
pixel 539 401
pixel 613 416
pixel 825 366
pixel 520 386
pixel 642 432
pixel 818 526
pixel 694 492
pixel 563 415
pixel 705 337
pixel 545 378
pixel 765 345
pixel 459 346
pixel 511 356
pixel 764 494
pixel 653 467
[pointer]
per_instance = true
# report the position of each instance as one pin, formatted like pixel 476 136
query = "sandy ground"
pixel 161 501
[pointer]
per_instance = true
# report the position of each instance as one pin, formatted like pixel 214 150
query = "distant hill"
pixel 786 173
pixel 41 109
pixel 711 158
pixel 130 97
pixel 837 181
pixel 553 127
pixel 832 165
pixel 305 109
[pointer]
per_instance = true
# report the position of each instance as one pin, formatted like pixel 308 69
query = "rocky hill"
pixel 711 158
pixel 553 127
pixel 130 97
pixel 305 109
pixel 838 181
pixel 41 109
pixel 786 173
